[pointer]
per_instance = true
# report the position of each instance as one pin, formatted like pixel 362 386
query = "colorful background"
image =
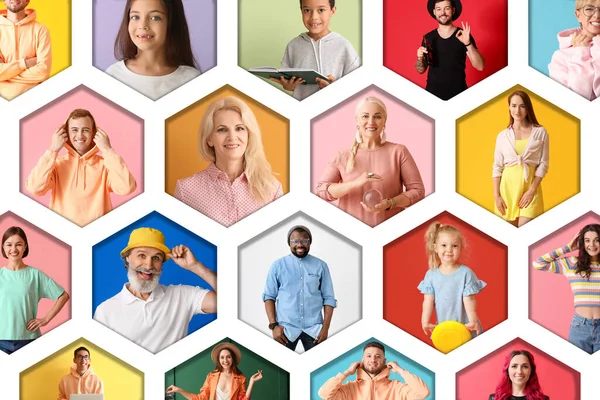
pixel 262 44
pixel 406 22
pixel 125 130
pixel 546 19
pixel 476 134
pixel 109 273
pixel 335 130
pixel 343 258
pixel 56 16
pixel 479 380
pixel 121 381
pixel 340 364
pixel 548 291
pixel 404 268
pixel 191 374
pixel 201 16
pixel 182 139
pixel 49 255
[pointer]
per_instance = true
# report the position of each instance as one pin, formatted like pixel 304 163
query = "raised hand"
pixel 183 256
pixel 464 34
pixel 256 377
pixel 102 140
pixel 579 39
pixel 59 138
pixel 173 389
pixel 393 365
pixel 574 244
pixel 421 51
pixel 352 368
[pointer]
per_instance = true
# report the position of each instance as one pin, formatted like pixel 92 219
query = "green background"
pixel 267 26
pixel 191 374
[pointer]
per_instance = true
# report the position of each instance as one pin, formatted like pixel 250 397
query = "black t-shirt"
pixel 493 396
pixel 447 61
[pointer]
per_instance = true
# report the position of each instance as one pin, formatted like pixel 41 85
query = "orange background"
pixel 181 142
pixel 405 265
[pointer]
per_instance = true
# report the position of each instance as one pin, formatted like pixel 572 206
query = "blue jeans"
pixel 585 333
pixel 10 346
pixel 308 342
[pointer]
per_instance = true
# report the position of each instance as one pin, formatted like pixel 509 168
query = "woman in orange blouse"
pixel 226 382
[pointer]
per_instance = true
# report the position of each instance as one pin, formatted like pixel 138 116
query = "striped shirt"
pixel 586 292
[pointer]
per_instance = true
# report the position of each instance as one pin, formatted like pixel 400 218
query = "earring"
pixel 383 136
pixel 358 138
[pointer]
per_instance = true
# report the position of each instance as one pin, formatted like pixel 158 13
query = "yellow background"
pixel 56 16
pixel 181 143
pixel 476 135
pixel 121 381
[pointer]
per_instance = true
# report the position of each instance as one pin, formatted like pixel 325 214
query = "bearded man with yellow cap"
pixel 149 314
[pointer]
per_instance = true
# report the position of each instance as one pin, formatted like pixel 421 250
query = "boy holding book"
pixel 328 53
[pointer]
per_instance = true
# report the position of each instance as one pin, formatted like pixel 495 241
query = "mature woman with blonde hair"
pixel 372 163
pixel 521 161
pixel 239 179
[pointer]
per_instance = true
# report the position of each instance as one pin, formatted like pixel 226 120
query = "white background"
pixel 299 199
pixel 342 257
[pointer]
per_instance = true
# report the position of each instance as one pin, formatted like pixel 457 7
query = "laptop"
pixel 86 397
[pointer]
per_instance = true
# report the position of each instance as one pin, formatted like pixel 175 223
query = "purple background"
pixel 201 17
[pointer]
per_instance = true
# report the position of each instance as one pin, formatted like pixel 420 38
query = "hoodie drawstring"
pixel 76 177
pixel 317 56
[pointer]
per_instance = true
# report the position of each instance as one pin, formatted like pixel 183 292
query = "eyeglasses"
pixel 590 10
pixel 303 241
pixel 83 357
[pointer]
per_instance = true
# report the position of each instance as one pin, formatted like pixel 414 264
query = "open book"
pixel 309 75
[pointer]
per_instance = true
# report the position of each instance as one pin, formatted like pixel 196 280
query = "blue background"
pixel 546 19
pixel 109 273
pixel 340 364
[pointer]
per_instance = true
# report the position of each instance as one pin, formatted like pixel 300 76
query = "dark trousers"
pixel 307 342
pixel 10 346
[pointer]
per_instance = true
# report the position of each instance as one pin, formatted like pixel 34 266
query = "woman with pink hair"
pixel 519 379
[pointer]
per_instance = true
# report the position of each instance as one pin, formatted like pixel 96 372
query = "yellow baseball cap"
pixel 147 237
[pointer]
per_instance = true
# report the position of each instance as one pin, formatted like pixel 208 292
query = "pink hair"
pixel 533 391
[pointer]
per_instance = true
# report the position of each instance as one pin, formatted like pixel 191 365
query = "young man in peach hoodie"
pixel 80 181
pixel 373 380
pixel 25 51
pixel 82 379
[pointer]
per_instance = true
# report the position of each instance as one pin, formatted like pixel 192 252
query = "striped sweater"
pixel 586 292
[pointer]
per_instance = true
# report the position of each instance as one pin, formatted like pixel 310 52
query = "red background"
pixel 479 380
pixel 405 265
pixel 405 23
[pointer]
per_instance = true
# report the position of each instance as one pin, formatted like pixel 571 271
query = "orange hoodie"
pixel 18 42
pixel 80 185
pixel 379 387
pixel 88 383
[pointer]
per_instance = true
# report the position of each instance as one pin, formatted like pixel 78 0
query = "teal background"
pixel 267 26
pixel 340 364
pixel 546 19
pixel 191 374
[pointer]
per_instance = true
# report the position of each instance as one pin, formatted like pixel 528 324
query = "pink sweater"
pixel 578 68
pixel 393 162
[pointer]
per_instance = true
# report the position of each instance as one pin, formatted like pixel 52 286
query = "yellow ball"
pixel 449 335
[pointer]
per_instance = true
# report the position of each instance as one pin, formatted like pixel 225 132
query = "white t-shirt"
pixel 154 87
pixel 156 323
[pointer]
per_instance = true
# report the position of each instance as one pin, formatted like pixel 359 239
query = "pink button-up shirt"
pixel 211 193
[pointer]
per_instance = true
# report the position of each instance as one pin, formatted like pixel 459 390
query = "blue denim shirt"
pixel 300 288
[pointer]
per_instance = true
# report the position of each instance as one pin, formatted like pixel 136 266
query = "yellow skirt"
pixel 512 187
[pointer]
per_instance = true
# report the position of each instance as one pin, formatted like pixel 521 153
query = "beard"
pixel 448 20
pixel 375 371
pixel 140 285
pixel 300 255
pixel 16 9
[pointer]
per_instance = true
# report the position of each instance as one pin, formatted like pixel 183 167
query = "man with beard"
pixel 82 379
pixel 149 314
pixel 25 51
pixel 301 285
pixel 444 51
pixel 373 380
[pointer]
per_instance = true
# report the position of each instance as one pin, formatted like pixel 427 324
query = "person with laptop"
pixel 82 379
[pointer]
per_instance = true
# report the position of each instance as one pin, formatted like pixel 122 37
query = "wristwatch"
pixel 273 325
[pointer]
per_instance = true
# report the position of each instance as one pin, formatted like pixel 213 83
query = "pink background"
pixel 335 130
pixel 548 291
pixel 49 255
pixel 479 380
pixel 125 130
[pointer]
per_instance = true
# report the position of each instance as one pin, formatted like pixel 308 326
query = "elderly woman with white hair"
pixel 372 165
pixel 239 181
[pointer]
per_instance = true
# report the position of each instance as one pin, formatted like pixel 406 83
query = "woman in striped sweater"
pixel 583 273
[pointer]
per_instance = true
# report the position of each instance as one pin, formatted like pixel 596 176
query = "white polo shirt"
pixel 156 323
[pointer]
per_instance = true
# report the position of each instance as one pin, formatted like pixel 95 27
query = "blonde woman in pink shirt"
pixel 521 160
pixel 240 180
pixel 372 163
pixel 576 64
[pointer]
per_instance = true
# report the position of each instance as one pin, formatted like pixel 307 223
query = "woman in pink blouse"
pixel 240 180
pixel 372 163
